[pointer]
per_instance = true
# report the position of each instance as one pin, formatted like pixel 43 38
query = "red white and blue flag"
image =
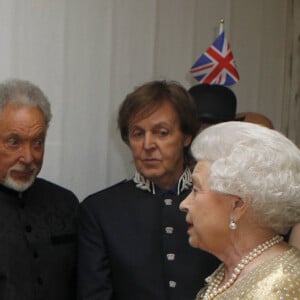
pixel 216 65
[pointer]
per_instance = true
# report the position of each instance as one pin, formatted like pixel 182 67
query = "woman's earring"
pixel 232 224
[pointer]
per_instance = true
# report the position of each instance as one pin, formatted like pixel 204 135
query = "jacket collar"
pixel 184 182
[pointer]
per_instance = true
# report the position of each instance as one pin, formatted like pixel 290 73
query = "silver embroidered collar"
pixel 184 182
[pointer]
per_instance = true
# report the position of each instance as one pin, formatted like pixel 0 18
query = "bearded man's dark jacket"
pixel 38 243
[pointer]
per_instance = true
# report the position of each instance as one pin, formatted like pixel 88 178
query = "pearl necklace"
pixel 216 278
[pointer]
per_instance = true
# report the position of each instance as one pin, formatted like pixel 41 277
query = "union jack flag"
pixel 216 65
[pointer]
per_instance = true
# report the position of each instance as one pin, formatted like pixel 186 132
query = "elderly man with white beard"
pixel 38 218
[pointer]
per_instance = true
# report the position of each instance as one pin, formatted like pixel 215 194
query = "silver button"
pixel 168 201
pixel 169 230
pixel 170 256
pixel 172 284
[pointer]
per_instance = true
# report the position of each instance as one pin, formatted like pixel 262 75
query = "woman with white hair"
pixel 246 193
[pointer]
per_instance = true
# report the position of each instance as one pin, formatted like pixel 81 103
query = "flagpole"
pixel 221 28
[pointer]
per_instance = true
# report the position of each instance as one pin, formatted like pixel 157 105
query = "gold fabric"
pixel 275 279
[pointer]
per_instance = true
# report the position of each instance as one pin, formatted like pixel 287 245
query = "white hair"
pixel 257 164
pixel 23 92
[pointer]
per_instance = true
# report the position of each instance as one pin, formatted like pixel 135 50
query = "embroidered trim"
pixel 184 182
pixel 143 183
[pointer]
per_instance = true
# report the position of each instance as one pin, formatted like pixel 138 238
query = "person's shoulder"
pixel 44 183
pixel 287 278
pixel 294 257
pixel 52 188
pixel 116 190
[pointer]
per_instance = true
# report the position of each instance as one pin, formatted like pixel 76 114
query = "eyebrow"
pixel 12 135
pixel 155 126
pixel 17 135
pixel 163 124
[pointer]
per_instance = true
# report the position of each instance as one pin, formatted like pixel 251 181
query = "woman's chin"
pixel 193 242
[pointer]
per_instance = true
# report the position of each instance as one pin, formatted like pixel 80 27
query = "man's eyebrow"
pixel 131 127
pixel 162 124
pixel 12 134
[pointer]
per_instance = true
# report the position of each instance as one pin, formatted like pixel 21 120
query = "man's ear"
pixel 187 139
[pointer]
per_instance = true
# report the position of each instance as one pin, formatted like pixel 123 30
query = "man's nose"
pixel 149 141
pixel 26 154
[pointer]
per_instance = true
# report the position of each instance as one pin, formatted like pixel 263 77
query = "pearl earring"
pixel 232 224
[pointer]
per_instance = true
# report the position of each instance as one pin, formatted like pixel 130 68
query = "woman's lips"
pixel 190 225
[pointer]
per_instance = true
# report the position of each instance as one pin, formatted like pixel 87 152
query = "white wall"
pixel 87 55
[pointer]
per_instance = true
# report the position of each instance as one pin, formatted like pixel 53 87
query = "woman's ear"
pixel 240 206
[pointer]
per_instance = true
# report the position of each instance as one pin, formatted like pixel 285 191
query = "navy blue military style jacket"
pixel 38 246
pixel 133 245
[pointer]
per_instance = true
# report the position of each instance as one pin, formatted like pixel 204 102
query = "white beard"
pixel 18 186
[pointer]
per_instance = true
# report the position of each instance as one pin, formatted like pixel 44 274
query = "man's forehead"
pixel 164 112
pixel 16 119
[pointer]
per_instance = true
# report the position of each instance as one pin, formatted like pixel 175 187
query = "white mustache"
pixel 30 168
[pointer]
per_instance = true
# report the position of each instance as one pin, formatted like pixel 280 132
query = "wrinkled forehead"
pixel 202 168
pixel 21 115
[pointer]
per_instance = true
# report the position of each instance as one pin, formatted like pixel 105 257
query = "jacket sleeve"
pixel 94 273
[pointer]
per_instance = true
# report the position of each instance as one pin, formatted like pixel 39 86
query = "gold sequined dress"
pixel 274 279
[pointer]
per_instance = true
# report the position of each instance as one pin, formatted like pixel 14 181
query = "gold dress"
pixel 274 279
